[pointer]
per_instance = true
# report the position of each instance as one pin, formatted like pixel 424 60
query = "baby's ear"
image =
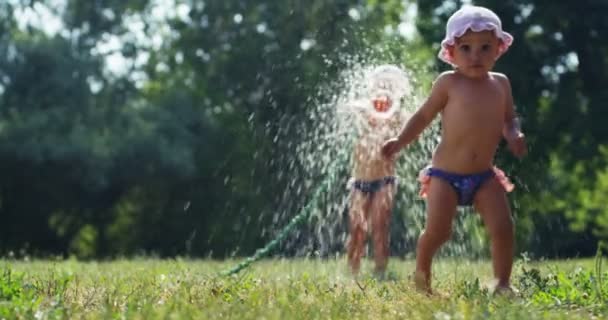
pixel 450 50
pixel 500 49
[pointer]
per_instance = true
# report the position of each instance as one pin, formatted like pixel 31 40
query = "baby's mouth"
pixel 381 106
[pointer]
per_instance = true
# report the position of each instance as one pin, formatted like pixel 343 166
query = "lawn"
pixel 294 289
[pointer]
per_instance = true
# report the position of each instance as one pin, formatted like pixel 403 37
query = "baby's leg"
pixel 491 202
pixel 357 228
pixel 380 211
pixel 440 211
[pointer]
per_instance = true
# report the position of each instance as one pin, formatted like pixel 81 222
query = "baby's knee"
pixel 380 240
pixel 380 225
pixel 358 228
pixel 356 219
pixel 438 235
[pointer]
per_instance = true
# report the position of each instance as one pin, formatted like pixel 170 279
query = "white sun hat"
pixel 390 78
pixel 476 19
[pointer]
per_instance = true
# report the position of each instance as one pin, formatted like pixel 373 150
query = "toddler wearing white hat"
pixel 476 109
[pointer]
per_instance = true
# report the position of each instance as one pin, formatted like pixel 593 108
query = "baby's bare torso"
pixel 369 163
pixel 472 122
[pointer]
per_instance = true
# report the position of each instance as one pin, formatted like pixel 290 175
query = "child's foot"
pixel 506 291
pixel 391 276
pixel 423 285
pixel 379 275
pixel 354 268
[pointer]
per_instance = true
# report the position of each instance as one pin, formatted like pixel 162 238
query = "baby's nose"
pixel 476 55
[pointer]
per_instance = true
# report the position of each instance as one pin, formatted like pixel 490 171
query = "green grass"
pixel 293 289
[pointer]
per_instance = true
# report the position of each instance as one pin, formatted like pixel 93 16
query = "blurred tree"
pixel 170 127
pixel 181 151
pixel 255 68
pixel 76 139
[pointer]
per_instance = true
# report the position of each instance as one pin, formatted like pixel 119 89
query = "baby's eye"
pixel 465 48
pixel 485 47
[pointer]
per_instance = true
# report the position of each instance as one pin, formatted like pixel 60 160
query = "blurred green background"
pixel 157 127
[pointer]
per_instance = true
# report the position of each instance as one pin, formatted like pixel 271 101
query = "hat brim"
pixel 450 39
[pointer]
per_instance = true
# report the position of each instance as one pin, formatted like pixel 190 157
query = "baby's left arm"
pixel 511 129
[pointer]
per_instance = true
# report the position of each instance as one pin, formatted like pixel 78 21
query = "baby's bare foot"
pixel 423 283
pixel 506 291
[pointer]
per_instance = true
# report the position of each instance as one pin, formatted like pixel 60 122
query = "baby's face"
pixel 476 52
pixel 382 103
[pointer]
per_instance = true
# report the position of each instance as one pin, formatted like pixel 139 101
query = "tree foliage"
pixel 140 127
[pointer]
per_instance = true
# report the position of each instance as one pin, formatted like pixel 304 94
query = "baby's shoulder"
pixel 500 77
pixel 502 80
pixel 445 79
pixel 449 75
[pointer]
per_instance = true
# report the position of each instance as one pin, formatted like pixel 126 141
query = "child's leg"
pixel 380 211
pixel 357 228
pixel 491 202
pixel 440 211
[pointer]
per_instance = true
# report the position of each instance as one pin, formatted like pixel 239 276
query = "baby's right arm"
pixel 422 117
pixel 435 102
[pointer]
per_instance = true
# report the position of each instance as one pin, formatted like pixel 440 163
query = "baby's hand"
pixel 390 148
pixel 517 144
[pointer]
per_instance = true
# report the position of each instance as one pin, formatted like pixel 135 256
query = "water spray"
pixel 372 84
pixel 304 214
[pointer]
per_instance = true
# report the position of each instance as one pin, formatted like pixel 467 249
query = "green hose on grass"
pixel 325 186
